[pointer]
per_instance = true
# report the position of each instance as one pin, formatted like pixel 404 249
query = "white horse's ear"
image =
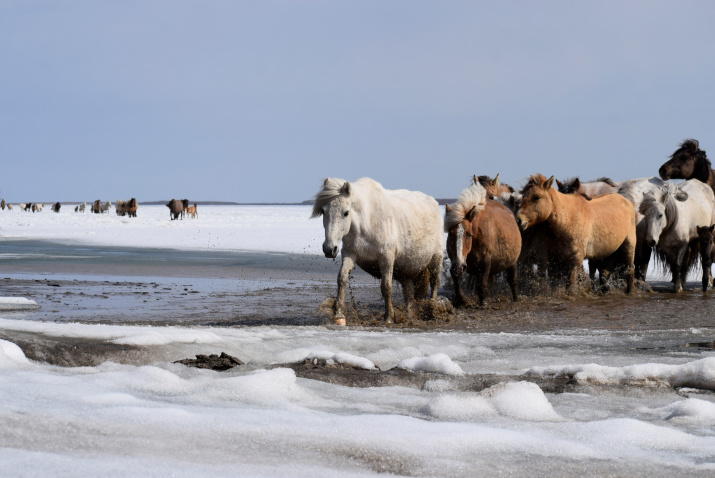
pixel 549 183
pixel 447 208
pixel 471 214
pixel 345 190
pixel 681 196
pixel 325 182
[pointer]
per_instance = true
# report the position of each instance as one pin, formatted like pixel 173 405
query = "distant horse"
pixel 97 207
pixel 120 207
pixel 2 204
pixel 39 206
pixel 672 216
pixel 82 207
pixel 9 207
pixel 590 189
pixel 56 207
pixel 689 162
pixel 34 207
pixel 635 190
pixel 22 206
pixel 493 187
pixel 707 253
pixel 483 240
pixel 106 207
pixel 601 229
pixel 192 211
pixel 389 234
pixel 185 206
pixel 176 207
pixel 131 207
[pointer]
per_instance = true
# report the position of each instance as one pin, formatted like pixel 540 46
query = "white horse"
pixel 672 216
pixel 635 190
pixel 106 206
pixel 82 207
pixel 389 234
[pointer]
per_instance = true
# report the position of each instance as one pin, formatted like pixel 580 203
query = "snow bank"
pixel 438 363
pixel 697 374
pixel 118 334
pixel 17 303
pixel 11 355
pixel 516 400
pixel 342 358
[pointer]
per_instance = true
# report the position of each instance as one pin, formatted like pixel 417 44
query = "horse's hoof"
pixel 339 320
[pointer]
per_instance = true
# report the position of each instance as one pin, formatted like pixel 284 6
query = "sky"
pixel 259 101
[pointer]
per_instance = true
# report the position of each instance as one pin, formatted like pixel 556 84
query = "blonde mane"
pixel 332 188
pixel 475 196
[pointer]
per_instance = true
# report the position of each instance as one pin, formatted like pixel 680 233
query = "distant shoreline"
pixel 216 203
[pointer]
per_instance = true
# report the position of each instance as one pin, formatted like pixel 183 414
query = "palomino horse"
pixel 601 229
pixel 483 240
pixel 192 211
pixel 389 234
pixel 689 162
pixel 707 253
pixel 493 187
pixel 672 216
pixel 590 189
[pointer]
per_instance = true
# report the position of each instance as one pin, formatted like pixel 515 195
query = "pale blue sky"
pixel 258 101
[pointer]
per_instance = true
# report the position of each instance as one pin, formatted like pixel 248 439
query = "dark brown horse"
pixel 131 207
pixel 689 162
pixel 97 207
pixel 56 207
pixel 176 207
pixel 602 229
pixel 493 186
pixel 707 253
pixel 483 240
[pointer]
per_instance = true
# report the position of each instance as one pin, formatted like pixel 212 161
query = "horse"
pixel 387 233
pixel 601 229
pixel 97 207
pixel 672 215
pixel 185 206
pixel 689 162
pixel 635 190
pixel 192 211
pixel 56 207
pixel 82 207
pixel 176 207
pixel 120 207
pixel 131 207
pixel 707 253
pixel 39 206
pixel 589 189
pixel 482 240
pixel 493 187
pixel 106 207
pixel 9 207
pixel 2 204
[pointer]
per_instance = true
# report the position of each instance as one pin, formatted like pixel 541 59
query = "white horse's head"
pixel 335 203
pixel 660 210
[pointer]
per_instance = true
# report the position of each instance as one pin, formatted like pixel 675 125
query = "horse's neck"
pixel 561 216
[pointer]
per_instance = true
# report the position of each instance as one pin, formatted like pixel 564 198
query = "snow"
pixel 17 303
pixel 643 407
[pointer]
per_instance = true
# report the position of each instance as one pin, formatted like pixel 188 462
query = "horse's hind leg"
pixel 435 273
pixel 421 284
pixel 408 291
pixel 513 280
pixel 386 267
pixel 483 280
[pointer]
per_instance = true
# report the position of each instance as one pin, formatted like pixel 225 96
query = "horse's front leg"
pixel 346 267
pixel 483 281
pixel 676 266
pixel 386 266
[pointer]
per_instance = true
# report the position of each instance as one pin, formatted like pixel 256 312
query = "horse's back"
pixel 613 224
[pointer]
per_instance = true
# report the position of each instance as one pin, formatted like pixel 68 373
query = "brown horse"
pixel 707 253
pixel 483 240
pixel 97 207
pixel 602 229
pixel 689 162
pixel 176 208
pixel 493 186
pixel 131 207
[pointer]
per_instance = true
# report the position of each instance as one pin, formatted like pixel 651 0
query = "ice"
pixel 17 303
pixel 342 358
pixel 440 363
pixel 10 354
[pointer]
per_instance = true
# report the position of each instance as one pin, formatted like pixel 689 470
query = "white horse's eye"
pixel 346 213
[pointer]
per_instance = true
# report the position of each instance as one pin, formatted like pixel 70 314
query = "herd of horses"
pixel 541 233
pixel 177 207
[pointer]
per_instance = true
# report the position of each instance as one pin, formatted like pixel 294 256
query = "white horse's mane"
pixel 475 196
pixel 651 198
pixel 332 188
